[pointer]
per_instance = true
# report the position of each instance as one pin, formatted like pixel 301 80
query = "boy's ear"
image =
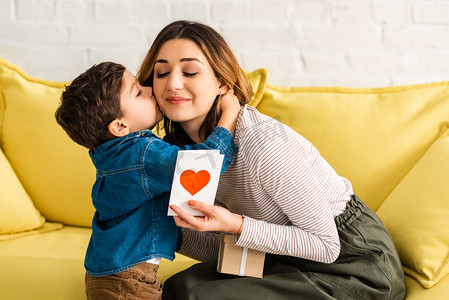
pixel 118 128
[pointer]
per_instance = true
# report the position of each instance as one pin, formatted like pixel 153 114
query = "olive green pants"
pixel 368 268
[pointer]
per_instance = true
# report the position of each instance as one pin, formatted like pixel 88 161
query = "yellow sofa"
pixel 392 143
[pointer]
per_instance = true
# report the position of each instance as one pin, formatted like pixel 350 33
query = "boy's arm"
pixel 230 108
pixel 160 157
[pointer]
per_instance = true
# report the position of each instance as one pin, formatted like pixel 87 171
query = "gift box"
pixel 237 260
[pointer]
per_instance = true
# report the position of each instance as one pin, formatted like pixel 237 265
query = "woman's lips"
pixel 176 100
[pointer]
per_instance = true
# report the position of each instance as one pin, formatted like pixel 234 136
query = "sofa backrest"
pixel 371 136
pixel 56 172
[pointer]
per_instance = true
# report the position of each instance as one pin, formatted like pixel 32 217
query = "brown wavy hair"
pixel 90 103
pixel 219 56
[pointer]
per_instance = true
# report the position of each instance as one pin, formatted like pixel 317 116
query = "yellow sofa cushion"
pixel 54 269
pixel 415 291
pixel 421 201
pixel 17 213
pixel 372 136
pixel 56 172
pixel 258 80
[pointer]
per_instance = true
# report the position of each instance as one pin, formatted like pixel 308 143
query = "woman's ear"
pixel 118 128
pixel 223 88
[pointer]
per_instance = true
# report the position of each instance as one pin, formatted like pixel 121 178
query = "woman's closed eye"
pixel 139 92
pixel 161 75
pixel 189 74
pixel 186 74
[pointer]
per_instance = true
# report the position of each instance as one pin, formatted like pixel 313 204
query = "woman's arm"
pixel 287 173
pixel 301 184
pixel 202 246
pixel 197 242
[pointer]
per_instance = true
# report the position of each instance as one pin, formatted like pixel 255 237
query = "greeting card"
pixel 196 178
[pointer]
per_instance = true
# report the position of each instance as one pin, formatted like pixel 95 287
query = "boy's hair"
pixel 90 103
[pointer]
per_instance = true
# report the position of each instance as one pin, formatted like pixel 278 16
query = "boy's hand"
pixel 230 107
pixel 229 103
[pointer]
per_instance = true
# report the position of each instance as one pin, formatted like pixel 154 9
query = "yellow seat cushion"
pixel 55 267
pixel 52 270
pixel 56 172
pixel 372 136
pixel 415 291
pixel 421 202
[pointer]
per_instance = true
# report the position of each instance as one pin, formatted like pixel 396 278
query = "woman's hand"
pixel 216 218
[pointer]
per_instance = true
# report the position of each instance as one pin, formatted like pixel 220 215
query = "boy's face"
pixel 138 105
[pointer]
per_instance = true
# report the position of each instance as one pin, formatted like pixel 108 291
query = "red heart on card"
pixel 193 181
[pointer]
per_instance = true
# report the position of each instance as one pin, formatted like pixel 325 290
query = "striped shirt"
pixel 287 192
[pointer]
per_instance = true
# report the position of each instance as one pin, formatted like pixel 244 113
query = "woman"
pixel 279 196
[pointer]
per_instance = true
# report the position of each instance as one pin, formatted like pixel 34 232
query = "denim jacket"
pixel 131 195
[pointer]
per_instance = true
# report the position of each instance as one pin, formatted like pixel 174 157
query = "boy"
pixel 108 112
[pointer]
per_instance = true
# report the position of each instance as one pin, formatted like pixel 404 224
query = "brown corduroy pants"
pixel 138 282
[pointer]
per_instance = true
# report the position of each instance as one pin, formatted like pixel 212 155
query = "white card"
pixel 196 178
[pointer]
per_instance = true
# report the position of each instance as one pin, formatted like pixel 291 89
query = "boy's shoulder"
pixel 133 140
pixel 129 149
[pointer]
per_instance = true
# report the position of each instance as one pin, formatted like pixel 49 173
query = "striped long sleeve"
pixel 287 191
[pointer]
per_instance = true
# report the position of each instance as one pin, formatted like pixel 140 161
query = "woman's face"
pixel 184 83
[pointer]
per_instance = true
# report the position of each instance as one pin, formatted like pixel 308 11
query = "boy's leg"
pixel 139 281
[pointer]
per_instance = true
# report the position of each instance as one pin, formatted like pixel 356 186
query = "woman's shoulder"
pixel 249 121
pixel 250 116
pixel 253 122
pixel 258 131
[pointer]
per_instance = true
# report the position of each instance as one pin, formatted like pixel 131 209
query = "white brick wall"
pixel 301 42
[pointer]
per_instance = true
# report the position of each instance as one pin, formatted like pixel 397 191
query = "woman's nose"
pixel 175 82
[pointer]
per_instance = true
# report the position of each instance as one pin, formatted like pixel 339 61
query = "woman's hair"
pixel 90 103
pixel 219 56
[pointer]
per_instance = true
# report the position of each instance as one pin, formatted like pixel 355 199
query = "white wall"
pixel 303 42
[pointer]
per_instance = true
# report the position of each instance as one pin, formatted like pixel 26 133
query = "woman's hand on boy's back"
pixel 230 107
